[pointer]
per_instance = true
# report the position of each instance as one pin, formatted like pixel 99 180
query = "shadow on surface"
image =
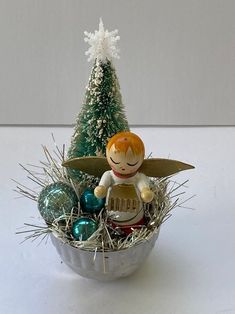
pixel 160 274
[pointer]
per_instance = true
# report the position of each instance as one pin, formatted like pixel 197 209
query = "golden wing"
pixel 92 165
pixel 159 167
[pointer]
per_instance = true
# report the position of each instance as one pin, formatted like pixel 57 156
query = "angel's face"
pixel 124 162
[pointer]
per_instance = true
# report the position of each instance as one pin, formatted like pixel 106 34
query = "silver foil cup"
pixel 104 266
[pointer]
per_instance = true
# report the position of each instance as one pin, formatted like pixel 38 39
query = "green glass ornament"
pixel 90 203
pixel 55 200
pixel 83 228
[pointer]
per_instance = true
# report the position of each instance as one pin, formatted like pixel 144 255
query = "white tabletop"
pixel 192 267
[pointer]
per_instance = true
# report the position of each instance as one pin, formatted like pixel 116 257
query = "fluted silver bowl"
pixel 104 266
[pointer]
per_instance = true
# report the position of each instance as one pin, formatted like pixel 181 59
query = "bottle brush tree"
pixel 102 114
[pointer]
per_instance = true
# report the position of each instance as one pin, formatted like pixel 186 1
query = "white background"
pixel 176 68
pixel 177 59
pixel 191 269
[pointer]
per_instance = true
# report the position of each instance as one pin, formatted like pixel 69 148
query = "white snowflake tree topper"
pixel 102 44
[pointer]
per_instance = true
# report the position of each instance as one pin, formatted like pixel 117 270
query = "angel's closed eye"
pixel 116 163
pixel 132 165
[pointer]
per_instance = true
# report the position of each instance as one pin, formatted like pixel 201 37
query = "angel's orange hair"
pixel 123 140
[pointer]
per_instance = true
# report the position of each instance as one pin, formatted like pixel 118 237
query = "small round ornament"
pixel 83 228
pixel 90 203
pixel 55 200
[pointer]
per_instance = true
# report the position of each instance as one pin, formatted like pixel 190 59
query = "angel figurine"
pixel 125 178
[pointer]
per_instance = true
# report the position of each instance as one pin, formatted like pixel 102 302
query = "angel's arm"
pixel 143 186
pixel 142 182
pixel 104 184
pixel 106 179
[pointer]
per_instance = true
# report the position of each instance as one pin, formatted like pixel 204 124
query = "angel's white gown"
pixel 139 180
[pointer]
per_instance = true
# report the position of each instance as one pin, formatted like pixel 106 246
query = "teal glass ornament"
pixel 83 228
pixel 90 203
pixel 55 200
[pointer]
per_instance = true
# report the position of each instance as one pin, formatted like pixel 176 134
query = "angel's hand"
pixel 147 195
pixel 100 191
